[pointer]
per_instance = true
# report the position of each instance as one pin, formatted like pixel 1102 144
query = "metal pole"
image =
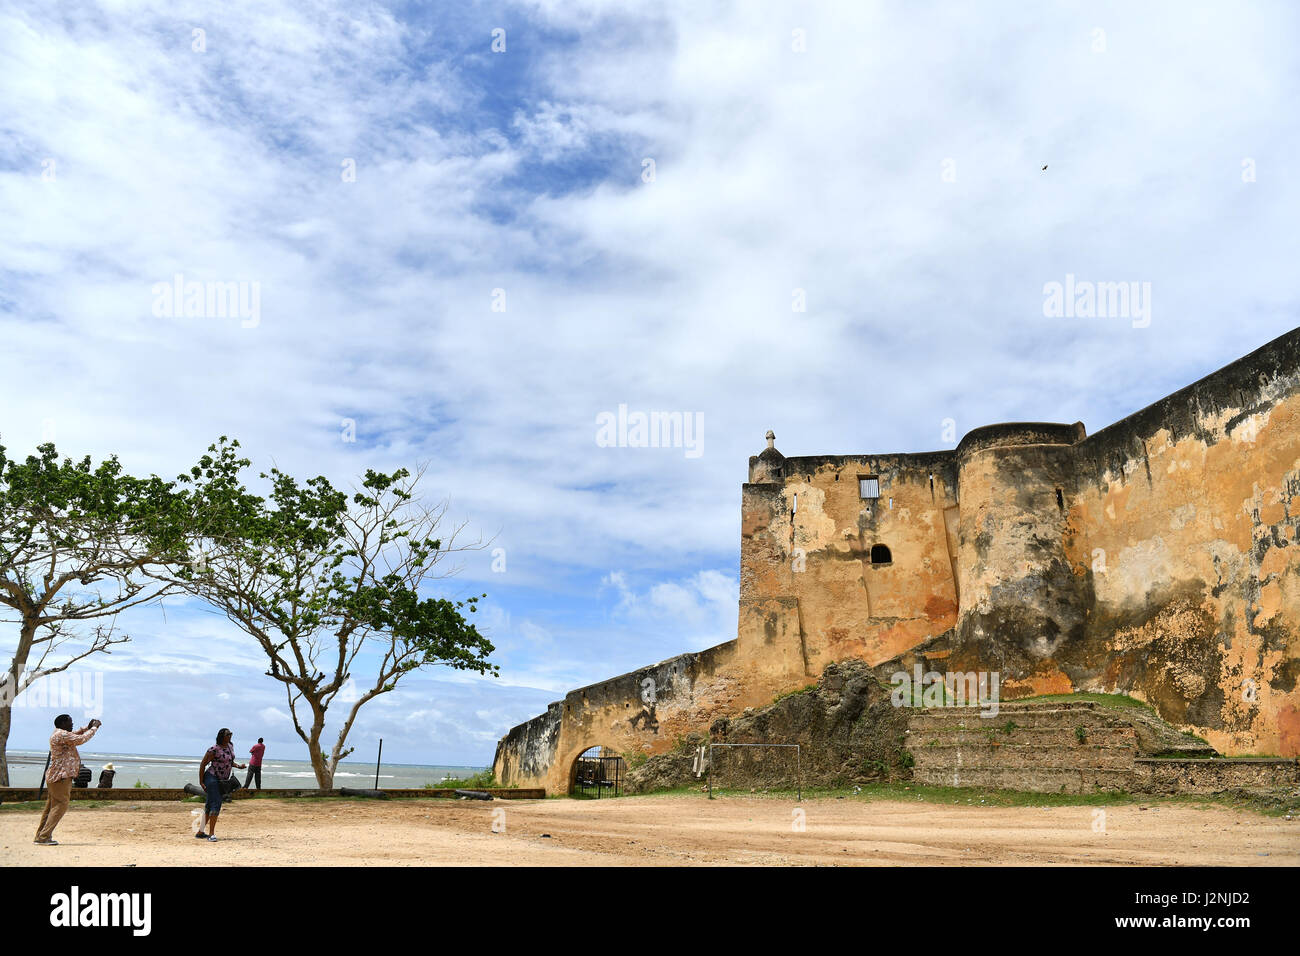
pixel 709 771
pixel 41 788
pixel 381 754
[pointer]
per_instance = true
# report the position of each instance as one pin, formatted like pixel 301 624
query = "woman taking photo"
pixel 213 772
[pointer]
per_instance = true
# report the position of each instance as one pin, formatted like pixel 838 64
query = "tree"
pixel 74 541
pixel 317 577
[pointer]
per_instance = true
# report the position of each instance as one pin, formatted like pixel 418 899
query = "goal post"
pixel 798 764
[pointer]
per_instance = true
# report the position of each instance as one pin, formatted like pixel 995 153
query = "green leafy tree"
pixel 74 542
pixel 319 578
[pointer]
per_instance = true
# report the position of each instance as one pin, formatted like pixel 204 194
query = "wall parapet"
pixel 1011 434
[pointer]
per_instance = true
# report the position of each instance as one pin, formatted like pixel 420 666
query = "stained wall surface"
pixel 1189 535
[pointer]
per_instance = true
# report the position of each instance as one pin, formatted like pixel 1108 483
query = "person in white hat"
pixel 106 777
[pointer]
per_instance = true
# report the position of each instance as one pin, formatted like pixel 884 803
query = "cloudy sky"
pixel 830 220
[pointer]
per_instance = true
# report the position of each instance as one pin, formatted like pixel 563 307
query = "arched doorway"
pixel 597 772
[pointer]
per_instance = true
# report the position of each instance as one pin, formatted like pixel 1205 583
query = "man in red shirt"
pixel 65 764
pixel 255 763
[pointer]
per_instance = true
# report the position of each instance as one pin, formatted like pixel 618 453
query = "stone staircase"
pixel 1074 747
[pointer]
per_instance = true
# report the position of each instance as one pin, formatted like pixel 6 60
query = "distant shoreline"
pixel 38 757
pixel 172 770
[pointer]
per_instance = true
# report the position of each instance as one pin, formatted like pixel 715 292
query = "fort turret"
pixel 768 466
pixel 1019 589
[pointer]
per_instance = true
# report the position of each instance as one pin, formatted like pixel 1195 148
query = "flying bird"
pixel 1044 165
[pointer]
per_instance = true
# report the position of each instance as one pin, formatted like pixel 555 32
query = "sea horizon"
pixel 173 770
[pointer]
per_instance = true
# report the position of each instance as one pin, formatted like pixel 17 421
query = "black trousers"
pixel 254 772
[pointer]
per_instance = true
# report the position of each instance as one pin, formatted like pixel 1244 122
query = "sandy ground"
pixel 654 830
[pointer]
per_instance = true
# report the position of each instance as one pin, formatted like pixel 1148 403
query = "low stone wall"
pixel 134 795
pixel 142 794
pixel 1253 774
pixel 501 793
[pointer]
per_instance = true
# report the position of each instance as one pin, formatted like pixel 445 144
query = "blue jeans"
pixel 213 788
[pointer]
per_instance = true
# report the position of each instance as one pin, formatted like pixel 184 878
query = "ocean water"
pixel 26 767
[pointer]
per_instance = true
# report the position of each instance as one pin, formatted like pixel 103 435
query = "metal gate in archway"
pixel 598 773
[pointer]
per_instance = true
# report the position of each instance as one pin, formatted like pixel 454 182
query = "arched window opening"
pixel 880 554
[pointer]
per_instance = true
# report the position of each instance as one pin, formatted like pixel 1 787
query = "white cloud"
pixel 273 715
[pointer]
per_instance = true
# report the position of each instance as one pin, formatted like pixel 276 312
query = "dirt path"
pixel 654 830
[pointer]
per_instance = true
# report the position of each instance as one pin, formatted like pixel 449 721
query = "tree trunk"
pixel 324 773
pixel 9 690
pixel 6 720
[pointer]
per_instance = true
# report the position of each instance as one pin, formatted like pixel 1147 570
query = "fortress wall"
pixel 1189 518
pixel 807 542
pixel 1169 569
pixel 526 754
pixel 644 711
pixel 1022 604
pixel 770 633
pixel 764 541
pixel 1173 571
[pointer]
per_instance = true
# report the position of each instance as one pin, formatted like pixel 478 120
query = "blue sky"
pixel 891 170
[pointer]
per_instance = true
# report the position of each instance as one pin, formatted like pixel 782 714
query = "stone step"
pixel 1013 755
pixel 1052 704
pixel 943 749
pixel 1005 707
pixel 1192 752
pixel 971 719
pixel 921 739
pixel 1021 707
pixel 1034 780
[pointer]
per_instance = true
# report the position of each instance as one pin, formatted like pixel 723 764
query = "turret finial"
pixel 771 438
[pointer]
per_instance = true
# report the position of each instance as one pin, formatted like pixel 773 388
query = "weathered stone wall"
pixel 1017 584
pixel 809 539
pixel 1216 776
pixel 642 712
pixel 1168 569
pixel 1189 533
pixel 1159 557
